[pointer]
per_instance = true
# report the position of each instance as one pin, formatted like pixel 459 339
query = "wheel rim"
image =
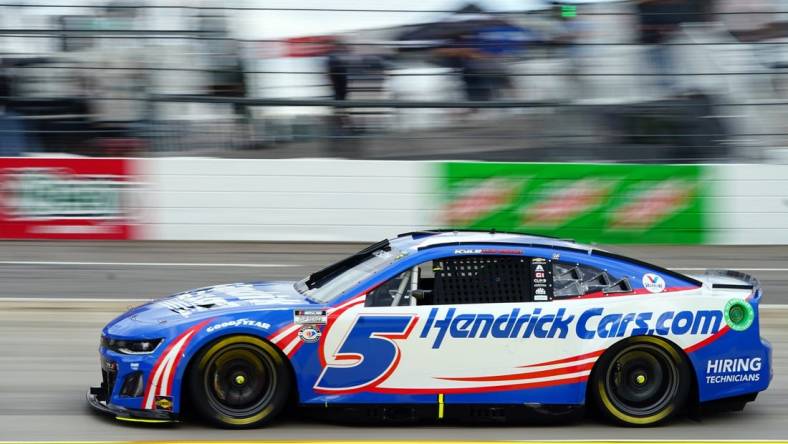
pixel 642 380
pixel 240 380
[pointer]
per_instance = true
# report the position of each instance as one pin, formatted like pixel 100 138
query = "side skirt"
pixel 435 413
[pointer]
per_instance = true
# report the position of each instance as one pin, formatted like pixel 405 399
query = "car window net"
pixel 481 279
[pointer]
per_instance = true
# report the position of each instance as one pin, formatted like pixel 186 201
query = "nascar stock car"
pixel 444 324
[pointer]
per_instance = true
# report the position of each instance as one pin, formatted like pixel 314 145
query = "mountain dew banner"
pixel 608 203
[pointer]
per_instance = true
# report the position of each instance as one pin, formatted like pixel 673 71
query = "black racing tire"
pixel 239 382
pixel 641 382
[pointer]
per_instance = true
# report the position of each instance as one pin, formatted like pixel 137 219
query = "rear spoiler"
pixel 749 282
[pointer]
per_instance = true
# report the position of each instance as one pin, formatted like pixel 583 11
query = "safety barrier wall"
pixel 747 204
pixel 340 200
pixel 318 200
pixel 286 200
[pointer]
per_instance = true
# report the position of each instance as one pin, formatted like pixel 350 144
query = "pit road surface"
pixel 48 349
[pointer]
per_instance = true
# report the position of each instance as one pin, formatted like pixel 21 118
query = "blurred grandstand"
pixel 646 81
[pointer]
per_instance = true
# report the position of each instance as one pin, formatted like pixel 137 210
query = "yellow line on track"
pixel 447 441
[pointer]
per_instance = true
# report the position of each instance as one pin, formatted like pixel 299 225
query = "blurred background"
pixel 248 140
pixel 513 80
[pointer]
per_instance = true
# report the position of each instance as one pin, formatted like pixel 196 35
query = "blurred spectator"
pixel 337 66
pixel 15 138
pixel 474 43
pixel 658 21
pixel 224 58
pixel 480 73
pixel 570 30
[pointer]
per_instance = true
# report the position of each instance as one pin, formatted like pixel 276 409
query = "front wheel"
pixel 239 382
pixel 643 382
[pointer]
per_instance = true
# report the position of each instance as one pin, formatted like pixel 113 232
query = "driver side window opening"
pixel 571 279
pixel 471 279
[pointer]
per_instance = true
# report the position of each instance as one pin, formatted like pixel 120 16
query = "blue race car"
pixel 444 324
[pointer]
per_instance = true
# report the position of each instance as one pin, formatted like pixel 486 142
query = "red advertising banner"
pixel 66 198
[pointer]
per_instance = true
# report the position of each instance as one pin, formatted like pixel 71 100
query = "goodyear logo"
pixel 591 324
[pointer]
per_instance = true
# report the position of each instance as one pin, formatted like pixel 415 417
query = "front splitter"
pixel 128 415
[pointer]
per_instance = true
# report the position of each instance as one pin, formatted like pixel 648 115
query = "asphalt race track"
pixel 55 297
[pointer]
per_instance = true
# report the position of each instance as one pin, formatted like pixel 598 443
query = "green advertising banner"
pixel 604 203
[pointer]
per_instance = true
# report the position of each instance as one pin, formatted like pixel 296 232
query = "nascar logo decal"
pixel 289 339
pixel 162 374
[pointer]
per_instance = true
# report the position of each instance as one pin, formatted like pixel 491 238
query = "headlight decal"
pixel 131 347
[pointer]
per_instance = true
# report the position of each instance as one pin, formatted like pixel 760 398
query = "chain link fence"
pixel 646 81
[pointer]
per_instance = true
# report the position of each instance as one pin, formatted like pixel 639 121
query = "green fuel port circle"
pixel 739 314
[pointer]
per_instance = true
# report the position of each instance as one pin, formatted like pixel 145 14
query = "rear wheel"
pixel 239 382
pixel 643 382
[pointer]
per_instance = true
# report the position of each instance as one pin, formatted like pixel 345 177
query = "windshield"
pixel 331 282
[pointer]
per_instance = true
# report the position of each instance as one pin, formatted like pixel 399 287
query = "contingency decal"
pixel 654 283
pixel 541 279
pixel 310 317
pixel 163 403
pixel 288 338
pixel 309 333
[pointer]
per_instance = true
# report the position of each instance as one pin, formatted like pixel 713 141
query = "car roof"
pixel 432 238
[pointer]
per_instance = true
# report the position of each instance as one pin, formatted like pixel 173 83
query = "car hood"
pixel 148 320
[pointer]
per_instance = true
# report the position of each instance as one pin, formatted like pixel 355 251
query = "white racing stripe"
pixel 291 345
pixel 148 404
pixel 164 384
pixel 148 264
pixel 162 372
pixel 286 332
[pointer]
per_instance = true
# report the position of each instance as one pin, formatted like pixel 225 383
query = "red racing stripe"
pixel 638 291
pixel 149 389
pixel 707 341
pixel 527 375
pixel 567 360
